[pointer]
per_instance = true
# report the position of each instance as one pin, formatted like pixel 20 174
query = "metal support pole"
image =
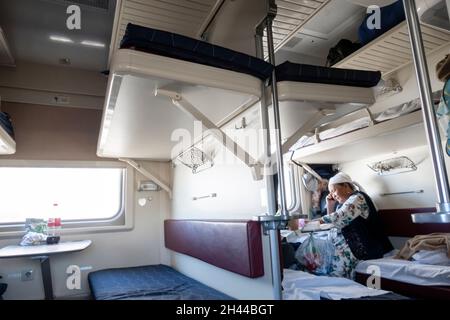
pixel 434 141
pixel 267 154
pixel 268 179
pixel 276 111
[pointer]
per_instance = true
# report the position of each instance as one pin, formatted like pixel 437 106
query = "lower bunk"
pixel 232 245
pixel 300 285
pixel 426 275
pixel 154 282
pixel 414 291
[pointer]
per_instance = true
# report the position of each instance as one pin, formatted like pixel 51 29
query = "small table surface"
pixel 44 249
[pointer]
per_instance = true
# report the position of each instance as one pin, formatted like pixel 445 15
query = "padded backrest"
pixel 232 245
pixel 398 222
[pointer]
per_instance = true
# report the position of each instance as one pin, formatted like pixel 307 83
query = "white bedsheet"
pixel 408 271
pixel 299 285
pixel 305 141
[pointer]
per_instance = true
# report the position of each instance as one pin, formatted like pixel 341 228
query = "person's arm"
pixel 352 208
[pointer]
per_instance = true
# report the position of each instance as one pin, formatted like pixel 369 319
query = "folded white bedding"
pixel 299 285
pixel 434 257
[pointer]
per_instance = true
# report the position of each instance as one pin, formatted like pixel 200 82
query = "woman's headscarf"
pixel 342 177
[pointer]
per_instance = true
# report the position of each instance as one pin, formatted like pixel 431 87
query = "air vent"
pixel 98 4
pixel 293 42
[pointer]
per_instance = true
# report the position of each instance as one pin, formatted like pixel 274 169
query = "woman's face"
pixel 340 192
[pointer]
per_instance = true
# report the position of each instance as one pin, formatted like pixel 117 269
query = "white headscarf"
pixel 342 177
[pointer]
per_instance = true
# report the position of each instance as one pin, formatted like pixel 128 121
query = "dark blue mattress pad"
pixel 289 71
pixel 5 123
pixel 184 48
pixel 181 47
pixel 154 282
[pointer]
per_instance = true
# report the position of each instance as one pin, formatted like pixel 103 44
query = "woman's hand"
pixel 331 202
pixel 330 198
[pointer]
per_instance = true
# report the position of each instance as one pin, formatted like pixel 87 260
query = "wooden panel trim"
pixel 398 222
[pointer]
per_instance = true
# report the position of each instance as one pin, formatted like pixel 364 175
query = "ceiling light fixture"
pixel 93 44
pixel 61 39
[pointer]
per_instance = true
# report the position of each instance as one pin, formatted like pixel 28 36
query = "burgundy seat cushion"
pixel 398 222
pixel 231 245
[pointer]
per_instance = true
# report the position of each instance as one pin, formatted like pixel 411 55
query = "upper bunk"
pixel 310 96
pixel 207 82
pixel 342 140
pixel 7 143
pixel 157 74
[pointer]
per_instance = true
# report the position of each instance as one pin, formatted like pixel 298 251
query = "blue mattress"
pixel 155 282
pixel 5 123
pixel 193 50
pixel 289 71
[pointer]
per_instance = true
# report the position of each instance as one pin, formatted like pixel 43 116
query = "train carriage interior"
pixel 224 150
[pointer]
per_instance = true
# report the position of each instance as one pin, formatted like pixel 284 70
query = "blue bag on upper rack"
pixel 391 16
pixel 5 123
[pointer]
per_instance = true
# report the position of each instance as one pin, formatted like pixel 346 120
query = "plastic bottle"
pixel 51 227
pixel 58 226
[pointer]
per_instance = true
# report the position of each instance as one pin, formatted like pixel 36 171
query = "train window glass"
pixel 81 194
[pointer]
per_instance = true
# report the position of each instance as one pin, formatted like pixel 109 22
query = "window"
pixel 82 194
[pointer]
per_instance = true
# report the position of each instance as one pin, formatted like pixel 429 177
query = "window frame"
pixel 123 220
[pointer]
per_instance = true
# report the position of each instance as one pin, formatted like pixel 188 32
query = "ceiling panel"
pixel 186 17
pixel 291 17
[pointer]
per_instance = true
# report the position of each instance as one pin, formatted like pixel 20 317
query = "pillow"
pixel 434 257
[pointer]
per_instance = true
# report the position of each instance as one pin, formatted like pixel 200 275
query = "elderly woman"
pixel 359 233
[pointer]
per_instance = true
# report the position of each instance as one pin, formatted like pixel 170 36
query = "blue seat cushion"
pixel 154 282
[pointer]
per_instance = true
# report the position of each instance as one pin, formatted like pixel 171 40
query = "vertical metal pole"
pixel 276 115
pixel 448 8
pixel 434 141
pixel 268 177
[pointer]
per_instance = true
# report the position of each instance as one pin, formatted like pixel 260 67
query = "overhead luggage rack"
pixel 392 50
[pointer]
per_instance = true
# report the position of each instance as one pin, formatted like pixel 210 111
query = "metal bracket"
pixel 277 222
pixel 316 135
pixel 148 174
pixel 402 192
pixel 243 124
pixel 372 120
pixel 272 10
pixel 212 195
pixel 305 128
pixel 218 133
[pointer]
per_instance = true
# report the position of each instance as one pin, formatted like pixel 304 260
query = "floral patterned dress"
pixel 344 262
